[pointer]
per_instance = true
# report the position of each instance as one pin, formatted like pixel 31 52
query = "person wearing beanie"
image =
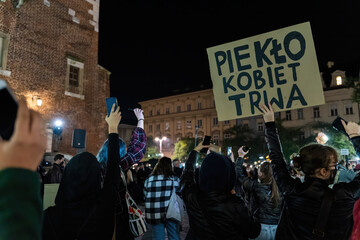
pixel 214 212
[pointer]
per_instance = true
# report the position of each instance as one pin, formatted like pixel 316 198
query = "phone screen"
pixel 109 103
pixel 9 107
pixel 229 151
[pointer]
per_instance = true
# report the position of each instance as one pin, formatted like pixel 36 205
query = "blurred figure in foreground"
pixel 20 202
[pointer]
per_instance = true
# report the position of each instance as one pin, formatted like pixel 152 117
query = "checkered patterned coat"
pixel 157 190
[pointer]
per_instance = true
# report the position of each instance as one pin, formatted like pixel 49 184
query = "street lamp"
pixel 160 140
pixel 57 131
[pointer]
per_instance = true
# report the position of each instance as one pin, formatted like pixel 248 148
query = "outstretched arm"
pixel 353 129
pixel 137 147
pixel 281 174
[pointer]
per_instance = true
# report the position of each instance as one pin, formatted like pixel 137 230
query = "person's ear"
pixel 323 172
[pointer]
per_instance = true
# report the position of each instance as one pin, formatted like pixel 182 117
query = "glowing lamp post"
pixel 57 130
pixel 160 140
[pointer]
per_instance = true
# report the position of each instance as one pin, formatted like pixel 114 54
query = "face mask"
pixel 332 176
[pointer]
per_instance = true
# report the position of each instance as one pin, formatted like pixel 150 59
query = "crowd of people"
pixel 314 198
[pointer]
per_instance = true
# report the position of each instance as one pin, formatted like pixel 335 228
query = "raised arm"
pixel 353 129
pixel 281 174
pixel 137 147
pixel 187 179
pixel 112 171
pixel 241 178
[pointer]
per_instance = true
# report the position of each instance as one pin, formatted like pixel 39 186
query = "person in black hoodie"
pixel 84 209
pixel 215 213
pixel 305 201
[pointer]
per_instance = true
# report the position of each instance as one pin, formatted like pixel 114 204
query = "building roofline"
pixel 177 95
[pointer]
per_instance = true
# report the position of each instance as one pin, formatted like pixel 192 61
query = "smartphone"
pixel 109 103
pixel 9 108
pixel 206 141
pixel 338 125
pixel 229 151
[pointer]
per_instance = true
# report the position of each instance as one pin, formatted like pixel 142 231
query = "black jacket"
pixel 303 200
pixel 84 209
pixel 215 215
pixel 55 174
pixel 261 206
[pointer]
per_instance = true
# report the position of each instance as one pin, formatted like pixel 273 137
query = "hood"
pixel 81 182
pixel 217 173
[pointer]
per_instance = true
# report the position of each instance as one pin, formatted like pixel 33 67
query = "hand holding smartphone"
pixel 229 151
pixel 9 106
pixel 109 103
pixel 338 125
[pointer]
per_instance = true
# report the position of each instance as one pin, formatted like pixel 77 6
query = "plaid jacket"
pixel 157 190
pixel 136 149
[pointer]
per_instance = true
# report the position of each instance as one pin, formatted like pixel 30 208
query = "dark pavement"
pixel 185 229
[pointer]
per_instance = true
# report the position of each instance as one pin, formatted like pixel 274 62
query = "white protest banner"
pixel 278 67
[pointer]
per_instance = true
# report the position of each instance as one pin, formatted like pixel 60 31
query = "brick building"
pixel 49 52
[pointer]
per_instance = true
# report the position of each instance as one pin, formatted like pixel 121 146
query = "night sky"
pixel 158 48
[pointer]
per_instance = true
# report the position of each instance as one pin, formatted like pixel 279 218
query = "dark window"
pixel 74 76
pixel 316 112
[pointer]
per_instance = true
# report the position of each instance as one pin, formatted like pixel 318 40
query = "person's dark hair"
pixel 314 156
pixel 163 167
pixel 267 178
pixel 58 157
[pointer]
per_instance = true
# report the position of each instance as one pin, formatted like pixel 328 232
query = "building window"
pixel 150 113
pixel 227 135
pixel 199 123
pixel 333 110
pixel 238 122
pixel 215 121
pixel 167 126
pixel 74 79
pixel 260 126
pixel 167 110
pixel 150 128
pixel 288 115
pixel 216 139
pixel 300 113
pixel 188 124
pixel 245 124
pixel 4 43
pixel 188 107
pixel 277 115
pixel 226 122
pixel 178 125
pixel 74 75
pixel 348 109
pixel 178 109
pixel 157 127
pixel 199 105
pixel 316 112
pixel 158 112
pixel 339 80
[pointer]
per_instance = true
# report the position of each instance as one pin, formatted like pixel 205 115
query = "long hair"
pixel 102 155
pixel 268 178
pixel 314 156
pixel 163 167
